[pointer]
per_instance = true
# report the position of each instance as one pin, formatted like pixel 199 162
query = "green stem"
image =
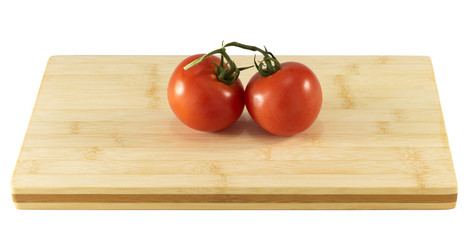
pixel 247 47
pixel 233 67
pixel 198 60
pixel 228 76
pixel 272 64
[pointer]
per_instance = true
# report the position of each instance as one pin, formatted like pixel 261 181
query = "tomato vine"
pixel 229 72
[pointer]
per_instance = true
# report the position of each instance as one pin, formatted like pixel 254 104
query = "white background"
pixel 31 31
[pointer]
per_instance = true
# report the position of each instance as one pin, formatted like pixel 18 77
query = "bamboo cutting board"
pixel 102 136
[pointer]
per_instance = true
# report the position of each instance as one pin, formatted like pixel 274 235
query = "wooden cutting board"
pixel 102 136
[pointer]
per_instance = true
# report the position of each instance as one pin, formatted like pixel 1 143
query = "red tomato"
pixel 200 100
pixel 286 102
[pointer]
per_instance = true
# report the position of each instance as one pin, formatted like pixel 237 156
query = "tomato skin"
pixel 200 100
pixel 286 102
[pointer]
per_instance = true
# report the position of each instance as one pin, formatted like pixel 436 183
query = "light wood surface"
pixel 102 136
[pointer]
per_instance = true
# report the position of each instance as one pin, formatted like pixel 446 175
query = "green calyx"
pixel 228 72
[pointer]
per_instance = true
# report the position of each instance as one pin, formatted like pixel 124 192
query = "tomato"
pixel 200 100
pixel 286 102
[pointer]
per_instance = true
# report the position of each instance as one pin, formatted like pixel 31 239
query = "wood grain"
pixel 102 136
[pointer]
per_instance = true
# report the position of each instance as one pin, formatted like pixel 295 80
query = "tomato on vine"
pixel 284 99
pixel 208 96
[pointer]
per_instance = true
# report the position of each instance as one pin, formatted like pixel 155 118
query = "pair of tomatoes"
pixel 284 103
